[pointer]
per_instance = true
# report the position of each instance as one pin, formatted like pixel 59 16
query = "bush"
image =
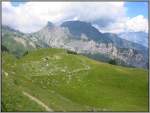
pixel 71 52
pixel 25 53
pixel 112 61
pixel 3 48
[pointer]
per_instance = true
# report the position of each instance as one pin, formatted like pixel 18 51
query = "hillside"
pixel 55 80
pixel 16 42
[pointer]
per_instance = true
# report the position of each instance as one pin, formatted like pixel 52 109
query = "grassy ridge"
pixel 67 82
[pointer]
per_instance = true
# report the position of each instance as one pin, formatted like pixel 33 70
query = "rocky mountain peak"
pixel 77 28
pixel 49 25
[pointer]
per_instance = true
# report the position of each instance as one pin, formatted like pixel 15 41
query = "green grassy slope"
pixel 66 82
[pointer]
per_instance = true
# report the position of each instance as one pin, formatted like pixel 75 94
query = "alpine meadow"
pixel 74 57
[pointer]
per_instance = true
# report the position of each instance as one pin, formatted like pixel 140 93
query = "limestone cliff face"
pixel 130 56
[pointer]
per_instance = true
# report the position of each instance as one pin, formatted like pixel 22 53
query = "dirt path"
pixel 37 101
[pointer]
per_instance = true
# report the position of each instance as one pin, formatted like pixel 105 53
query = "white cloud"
pixel 135 24
pixel 32 16
pixel 138 23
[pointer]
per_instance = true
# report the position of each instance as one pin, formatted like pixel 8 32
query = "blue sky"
pixel 14 3
pixel 136 8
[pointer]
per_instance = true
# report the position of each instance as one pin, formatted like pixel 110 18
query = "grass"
pixel 67 82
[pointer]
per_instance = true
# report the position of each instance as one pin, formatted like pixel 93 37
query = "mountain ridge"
pixel 137 37
pixel 104 43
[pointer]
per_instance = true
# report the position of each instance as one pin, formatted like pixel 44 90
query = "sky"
pixel 136 8
pixel 114 17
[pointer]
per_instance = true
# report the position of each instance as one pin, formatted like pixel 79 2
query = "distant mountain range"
pixel 137 37
pixel 85 39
